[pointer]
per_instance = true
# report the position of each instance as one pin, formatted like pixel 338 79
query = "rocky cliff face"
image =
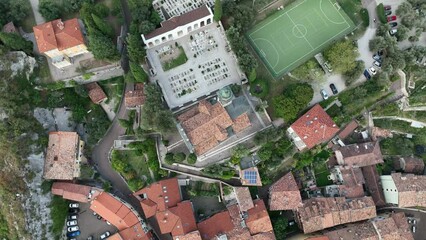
pixel 15 63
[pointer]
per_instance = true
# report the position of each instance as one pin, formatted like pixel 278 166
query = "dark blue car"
pixel 367 74
pixel 73 234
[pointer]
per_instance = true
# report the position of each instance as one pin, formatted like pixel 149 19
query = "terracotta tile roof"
pixel 114 211
pixel 61 156
pixel 258 220
pixel 135 232
pixel 195 235
pixel 284 194
pixel 386 227
pixel 205 125
pixel 411 189
pixel 412 165
pixel 96 94
pixel 241 122
pixel 159 196
pixel 315 127
pixel 321 213
pixel 136 97
pixel 218 224
pixel 358 231
pixel 245 180
pixel 243 198
pixel 178 220
pixel 348 130
pixel 264 236
pixel 9 28
pixel 178 21
pixel 373 184
pixel 71 191
pixel 351 180
pixel 361 155
pixel 58 35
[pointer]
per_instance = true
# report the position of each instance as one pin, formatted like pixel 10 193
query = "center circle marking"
pixel 299 31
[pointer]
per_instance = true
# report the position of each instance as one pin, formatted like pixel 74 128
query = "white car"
pixel 71 223
pixel 73 229
pixel 74 205
pixel 372 71
pixel 105 235
pixel 377 64
pixel 324 94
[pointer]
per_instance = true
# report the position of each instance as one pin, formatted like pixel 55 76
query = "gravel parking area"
pixel 90 225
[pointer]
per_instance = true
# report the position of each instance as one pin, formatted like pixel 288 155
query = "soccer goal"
pixel 337 6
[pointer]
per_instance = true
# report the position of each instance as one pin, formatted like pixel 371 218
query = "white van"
pixel 393 31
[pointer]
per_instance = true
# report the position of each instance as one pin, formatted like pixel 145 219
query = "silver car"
pixel 324 94
pixel 71 223
pixel 73 229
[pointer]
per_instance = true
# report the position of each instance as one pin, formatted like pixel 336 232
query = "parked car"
pixel 74 205
pixel 333 88
pixel 89 238
pixel 393 24
pixel 324 94
pixel 72 217
pixel 73 229
pixel 377 64
pixel 328 67
pixel 367 74
pixel 372 71
pixel 388 12
pixel 73 210
pixel 377 57
pixel 393 31
pixel 387 7
pixel 391 18
pixel 73 234
pixel 105 235
pixel 72 223
pixel 414 229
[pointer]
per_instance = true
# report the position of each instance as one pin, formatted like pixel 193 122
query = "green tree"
pixel 169 159
pixel 125 123
pixel 402 33
pixel 380 9
pixel 280 225
pixel 135 48
pixel 49 10
pixel 13 11
pixel 217 10
pixel 138 72
pixel 101 10
pixel 354 74
pixel 16 42
pixel 155 116
pixel 192 158
pixel 294 99
pixel 342 56
pixel 103 26
pixel 146 27
pixel 252 76
pixel 240 151
pixel 102 47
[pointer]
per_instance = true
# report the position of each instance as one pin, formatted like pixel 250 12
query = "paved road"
pixel 34 6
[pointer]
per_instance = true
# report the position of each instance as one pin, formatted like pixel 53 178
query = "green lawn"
pixel 321 173
pixel 137 162
pixel 181 59
pixel 293 35
pixel 113 89
pixel 58 213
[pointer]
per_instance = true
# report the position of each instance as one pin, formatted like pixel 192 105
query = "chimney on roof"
pixel 164 220
pixel 60 24
pixel 315 118
pixel 55 158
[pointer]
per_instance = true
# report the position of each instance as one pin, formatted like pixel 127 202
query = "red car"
pixel 387 7
pixel 391 18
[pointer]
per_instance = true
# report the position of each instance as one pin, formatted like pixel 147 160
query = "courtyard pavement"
pixel 210 66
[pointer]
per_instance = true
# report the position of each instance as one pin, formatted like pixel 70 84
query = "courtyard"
pixel 193 66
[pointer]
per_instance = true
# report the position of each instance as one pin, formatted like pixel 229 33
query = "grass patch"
pixel 364 16
pixel 46 185
pixel 380 9
pixel 58 214
pixel 321 173
pixel 259 88
pixel 120 162
pixel 181 59
pixel 351 8
pixel 138 163
pixel 86 171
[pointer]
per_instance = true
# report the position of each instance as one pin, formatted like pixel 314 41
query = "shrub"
pixel 364 16
pixel 380 9
pixel 179 157
pixel 192 158
pixel 169 159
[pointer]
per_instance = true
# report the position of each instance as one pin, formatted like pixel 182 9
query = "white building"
pixel 404 190
pixel 173 8
pixel 179 26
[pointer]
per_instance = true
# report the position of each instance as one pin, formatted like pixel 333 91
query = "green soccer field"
pixel 296 33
